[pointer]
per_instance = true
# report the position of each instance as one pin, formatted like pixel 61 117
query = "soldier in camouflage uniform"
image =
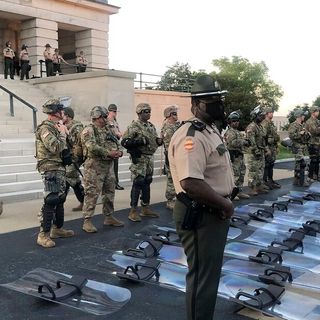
pixel 100 148
pixel 313 126
pixel 72 171
pixel 299 137
pixel 237 144
pixel 141 141
pixel 272 139
pixel 256 152
pixel 51 145
pixel 170 125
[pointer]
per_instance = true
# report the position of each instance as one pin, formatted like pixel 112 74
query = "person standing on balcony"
pixel 114 127
pixel 24 62
pixel 57 59
pixel 170 126
pixel 9 55
pixel 48 58
pixel 81 62
pixel 51 147
pixel 141 141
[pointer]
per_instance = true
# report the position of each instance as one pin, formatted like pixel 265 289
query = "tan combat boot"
pixel 170 204
pixel 60 233
pixel 261 190
pixel 112 221
pixel 242 195
pixel 253 191
pixel 88 226
pixel 78 208
pixel 147 212
pixel 44 240
pixel 1 207
pixel 133 215
pixel 236 198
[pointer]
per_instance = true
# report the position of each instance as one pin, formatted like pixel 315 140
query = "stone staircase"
pixel 19 180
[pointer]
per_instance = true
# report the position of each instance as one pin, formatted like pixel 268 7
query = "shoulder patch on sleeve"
pixel 45 134
pixel 188 144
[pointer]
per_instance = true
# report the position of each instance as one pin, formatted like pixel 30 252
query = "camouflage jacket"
pixel 49 145
pixel 114 127
pixel 313 126
pixel 298 139
pixel 97 143
pixel 139 129
pixel 257 137
pixel 74 140
pixel 167 131
pixel 234 139
pixel 272 137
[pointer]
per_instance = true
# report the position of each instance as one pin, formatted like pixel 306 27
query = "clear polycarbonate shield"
pixel 96 298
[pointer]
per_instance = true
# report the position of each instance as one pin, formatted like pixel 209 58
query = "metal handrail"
pixel 13 95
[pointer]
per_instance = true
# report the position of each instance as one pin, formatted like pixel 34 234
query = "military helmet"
pixel 314 109
pixel 52 106
pixel 69 112
pixel 98 111
pixel 256 112
pixel 298 113
pixel 168 110
pixel 205 85
pixel 24 46
pixel 142 106
pixel 233 116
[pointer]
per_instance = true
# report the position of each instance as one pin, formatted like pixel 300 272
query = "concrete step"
pixel 17 159
pixel 20 167
pixel 19 177
pixel 20 186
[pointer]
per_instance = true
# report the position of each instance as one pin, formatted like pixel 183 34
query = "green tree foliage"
pixel 179 77
pixel 248 85
pixel 316 102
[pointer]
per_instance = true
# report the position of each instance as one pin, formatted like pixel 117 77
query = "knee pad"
pixel 302 163
pixel 52 199
pixel 148 179
pixel 62 198
pixel 139 181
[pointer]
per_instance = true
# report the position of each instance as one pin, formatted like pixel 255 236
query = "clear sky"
pixel 148 36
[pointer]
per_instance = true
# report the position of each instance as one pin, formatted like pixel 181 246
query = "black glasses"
pixel 146 111
pixel 173 113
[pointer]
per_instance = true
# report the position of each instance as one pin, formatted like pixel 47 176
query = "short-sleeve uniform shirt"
pixel 201 156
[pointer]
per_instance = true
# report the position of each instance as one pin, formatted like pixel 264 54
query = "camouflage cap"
pixel 52 106
pixel 298 113
pixel 205 85
pixel 314 109
pixel 142 106
pixel 112 107
pixel 168 110
pixel 69 112
pixel 98 111
pixel 268 109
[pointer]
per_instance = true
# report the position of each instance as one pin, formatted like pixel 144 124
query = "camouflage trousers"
pixel 143 167
pixel 72 175
pixel 255 170
pixel 239 171
pixel 170 191
pixel 98 178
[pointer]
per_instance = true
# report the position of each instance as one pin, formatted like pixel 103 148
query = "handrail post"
pixel 34 114
pixel 140 80
pixel 11 105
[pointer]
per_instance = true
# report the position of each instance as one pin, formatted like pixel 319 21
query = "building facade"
pixel 70 25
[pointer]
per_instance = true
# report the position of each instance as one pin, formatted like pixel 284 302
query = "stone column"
pixel 36 33
pixel 94 43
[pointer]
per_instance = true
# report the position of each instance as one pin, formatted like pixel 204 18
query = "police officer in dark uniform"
pixel 202 175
